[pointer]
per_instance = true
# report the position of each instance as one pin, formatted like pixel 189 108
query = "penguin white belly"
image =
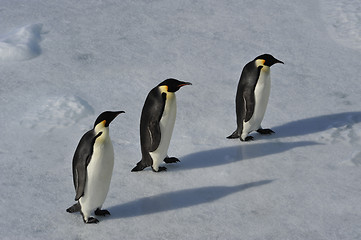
pixel 261 93
pixel 99 173
pixel 166 128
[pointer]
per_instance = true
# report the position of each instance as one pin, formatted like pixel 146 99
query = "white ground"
pixel 64 62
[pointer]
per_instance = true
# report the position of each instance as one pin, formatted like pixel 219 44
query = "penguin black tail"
pixel 233 135
pixel 140 166
pixel 75 208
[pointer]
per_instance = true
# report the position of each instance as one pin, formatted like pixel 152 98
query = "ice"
pixel 63 63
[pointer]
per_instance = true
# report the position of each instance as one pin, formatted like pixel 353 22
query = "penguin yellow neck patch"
pixel 163 89
pixel 100 126
pixel 260 62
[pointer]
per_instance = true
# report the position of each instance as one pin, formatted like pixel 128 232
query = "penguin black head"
pixel 268 59
pixel 173 85
pixel 108 117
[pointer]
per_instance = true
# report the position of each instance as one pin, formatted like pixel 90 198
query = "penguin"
pixel 252 97
pixel 93 163
pixel 156 125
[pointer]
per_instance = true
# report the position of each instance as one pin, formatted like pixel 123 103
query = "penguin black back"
pixel 89 154
pixel 247 83
pixel 81 159
pixel 252 96
pixel 150 130
pixel 84 151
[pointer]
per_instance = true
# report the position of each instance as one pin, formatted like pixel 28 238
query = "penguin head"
pixel 105 118
pixel 267 60
pixel 173 85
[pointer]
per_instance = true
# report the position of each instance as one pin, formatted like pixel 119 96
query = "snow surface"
pixel 64 62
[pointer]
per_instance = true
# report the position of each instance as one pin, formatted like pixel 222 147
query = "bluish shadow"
pixel 179 199
pixel 315 124
pixel 245 151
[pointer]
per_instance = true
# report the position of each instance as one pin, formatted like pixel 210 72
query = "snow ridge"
pixel 21 44
pixel 57 112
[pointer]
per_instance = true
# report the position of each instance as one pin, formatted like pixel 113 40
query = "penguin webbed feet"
pixel 91 220
pixel 171 160
pixel 100 212
pixel 160 169
pixel 266 131
pixel 247 139
pixel 97 212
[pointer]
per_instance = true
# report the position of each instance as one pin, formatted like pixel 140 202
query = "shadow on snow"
pixel 179 199
pixel 191 197
pixel 245 151
pixel 221 156
pixel 316 124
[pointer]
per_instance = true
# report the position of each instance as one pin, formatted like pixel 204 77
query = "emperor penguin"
pixel 252 97
pixel 156 125
pixel 93 163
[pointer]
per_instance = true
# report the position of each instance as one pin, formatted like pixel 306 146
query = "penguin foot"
pixel 100 212
pixel 247 139
pixel 91 220
pixel 75 208
pixel 171 160
pixel 265 131
pixel 160 169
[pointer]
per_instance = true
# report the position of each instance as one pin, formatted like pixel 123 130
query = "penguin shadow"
pixel 246 151
pixel 179 199
pixel 315 124
pixel 227 155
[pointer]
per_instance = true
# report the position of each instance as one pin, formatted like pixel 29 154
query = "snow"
pixel 22 44
pixel 63 63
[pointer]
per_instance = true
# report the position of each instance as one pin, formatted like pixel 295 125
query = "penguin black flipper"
pixel 150 134
pixel 81 159
pixel 245 98
pixel 149 122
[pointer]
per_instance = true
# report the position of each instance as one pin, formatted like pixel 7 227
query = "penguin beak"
pixel 112 117
pixel 115 115
pixel 184 84
pixel 119 112
pixel 278 61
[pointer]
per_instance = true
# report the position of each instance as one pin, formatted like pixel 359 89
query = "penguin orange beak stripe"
pixel 184 84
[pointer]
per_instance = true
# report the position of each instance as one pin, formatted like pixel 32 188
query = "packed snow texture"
pixel 62 63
